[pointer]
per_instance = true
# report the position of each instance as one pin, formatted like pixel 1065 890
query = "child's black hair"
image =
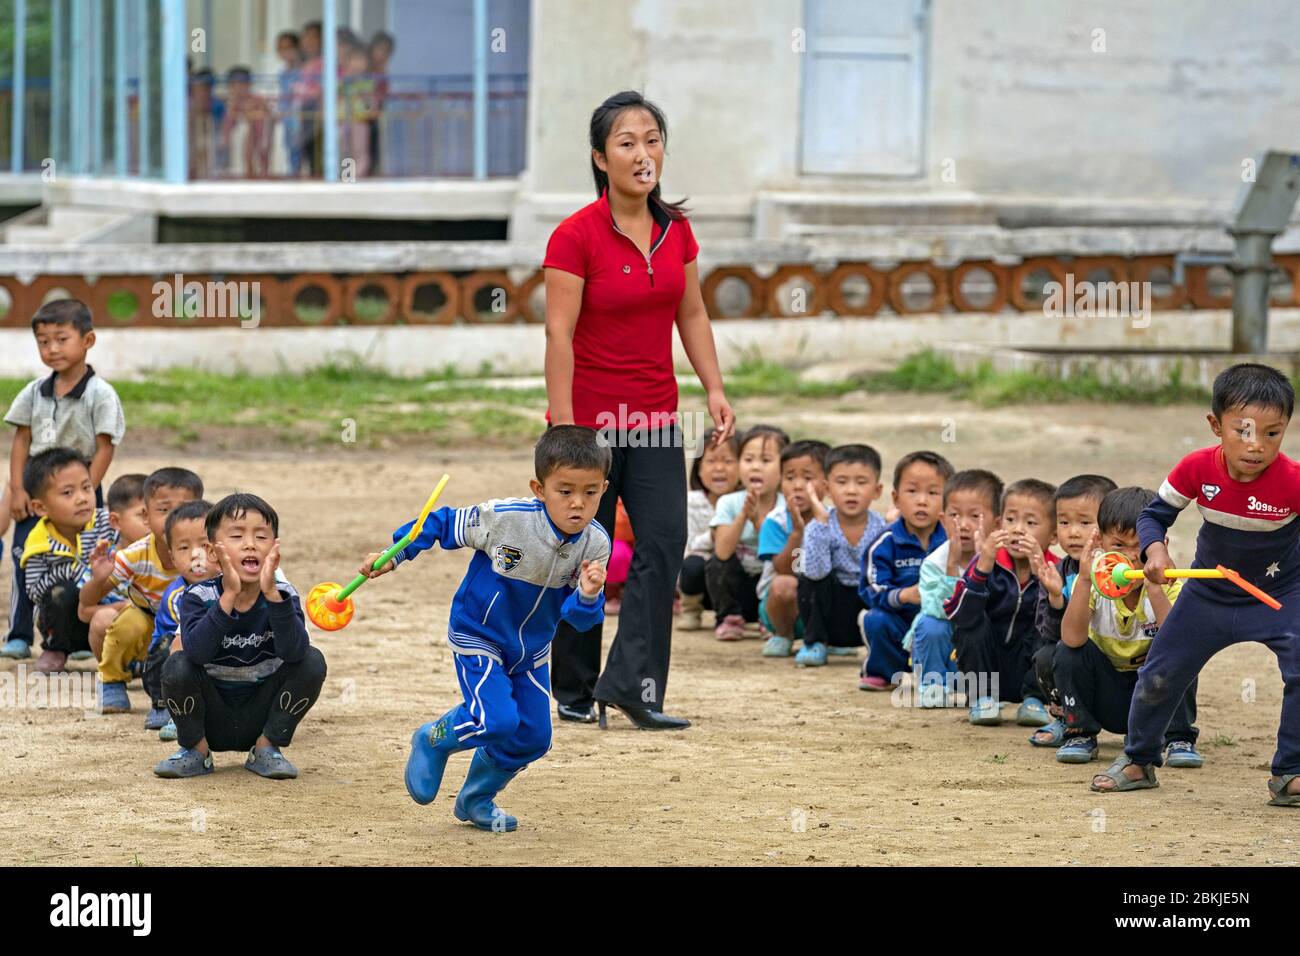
pixel 571 446
pixel 124 490
pixel 382 38
pixel 287 35
pixel 189 511
pixel 235 507
pixel 931 458
pixel 706 442
pixel 765 432
pixel 976 479
pixel 1120 508
pixel 42 467
pixel 816 450
pixel 854 455
pixel 1095 487
pixel 71 312
pixel 1249 383
pixel 173 478
pixel 1043 491
pixel 239 74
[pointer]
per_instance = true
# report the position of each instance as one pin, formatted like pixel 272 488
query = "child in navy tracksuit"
pixel 1248 492
pixel 891 568
pixel 538 560
pixel 994 606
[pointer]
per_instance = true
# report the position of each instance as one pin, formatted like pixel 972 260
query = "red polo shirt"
pixel 623 342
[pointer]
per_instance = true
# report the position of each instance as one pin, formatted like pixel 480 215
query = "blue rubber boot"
pixel 474 804
pixel 431 745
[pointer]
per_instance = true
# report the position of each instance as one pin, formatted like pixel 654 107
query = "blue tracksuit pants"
pixel 508 715
pixel 1198 627
pixel 885 654
pixel 932 650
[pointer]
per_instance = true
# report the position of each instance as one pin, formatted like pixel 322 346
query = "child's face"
pixel 571 496
pixel 68 498
pixel 62 346
pixel 854 487
pixel 131 522
pixel 380 54
pixel 192 552
pixel 247 540
pixel 1027 519
pixel 796 473
pixel 1252 438
pixel 760 464
pixel 287 51
pixel 719 470
pixel 1075 520
pixel 357 63
pixel 919 496
pixel 1125 541
pixel 970 510
pixel 163 502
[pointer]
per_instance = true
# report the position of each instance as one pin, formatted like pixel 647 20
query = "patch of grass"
pixel 1221 740
pixel 999 758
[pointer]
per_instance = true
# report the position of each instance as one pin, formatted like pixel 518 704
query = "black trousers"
pixel 234 721
pixel 1043 669
pixel 984 654
pixel 1096 697
pixel 731 589
pixel 60 628
pixel 693 579
pixel 651 480
pixel 153 667
pixel 20 605
pixel 829 611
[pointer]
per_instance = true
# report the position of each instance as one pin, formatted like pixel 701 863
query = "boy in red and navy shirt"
pixel 1248 492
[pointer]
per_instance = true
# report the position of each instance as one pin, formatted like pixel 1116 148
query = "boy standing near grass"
pixel 71 408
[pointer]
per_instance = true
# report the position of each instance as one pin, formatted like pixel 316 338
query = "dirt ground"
pixel 782 765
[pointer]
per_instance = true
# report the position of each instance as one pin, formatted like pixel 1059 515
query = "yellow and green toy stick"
pixel 330 606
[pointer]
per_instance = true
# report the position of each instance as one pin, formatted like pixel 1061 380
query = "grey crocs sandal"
pixel 1277 787
pixel 1115 772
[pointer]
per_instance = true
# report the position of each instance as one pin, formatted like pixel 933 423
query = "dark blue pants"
pixel 885 654
pixel 20 606
pixel 1196 629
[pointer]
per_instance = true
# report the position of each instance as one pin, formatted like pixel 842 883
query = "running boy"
pixel 1248 492
pixel 891 567
pixel 1104 642
pixel 247 673
pixel 70 408
pixel 993 607
pixel 803 481
pixel 537 560
pixel 834 544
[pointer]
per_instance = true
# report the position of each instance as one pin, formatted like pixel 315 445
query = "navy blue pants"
pixel 508 715
pixel 885 654
pixel 1197 628
pixel 20 605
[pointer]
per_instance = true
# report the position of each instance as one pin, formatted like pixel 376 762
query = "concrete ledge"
pixel 1144 368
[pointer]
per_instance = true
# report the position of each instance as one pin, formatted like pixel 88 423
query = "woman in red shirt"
pixel 620 274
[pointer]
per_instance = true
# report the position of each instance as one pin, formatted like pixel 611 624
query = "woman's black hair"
pixel 602 124
pixel 706 442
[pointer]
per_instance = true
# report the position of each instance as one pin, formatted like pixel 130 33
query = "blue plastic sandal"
pixel 1056 728
pixel 1077 750
pixel 17 649
pixel 811 655
pixel 1032 713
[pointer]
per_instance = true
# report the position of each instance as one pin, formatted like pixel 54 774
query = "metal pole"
pixel 330 92
pixel 119 87
pixel 175 92
pixel 143 61
pixel 77 130
pixel 479 40
pixel 20 85
pixel 1251 269
pixel 57 111
pixel 94 89
pixel 207 33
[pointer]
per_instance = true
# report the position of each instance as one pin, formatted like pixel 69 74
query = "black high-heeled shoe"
pixel 643 717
